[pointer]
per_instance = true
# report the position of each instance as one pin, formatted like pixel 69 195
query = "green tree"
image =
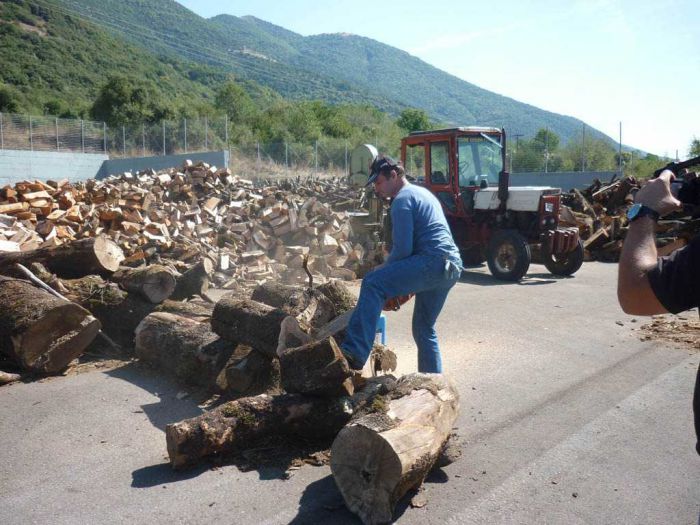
pixel 8 99
pixel 694 149
pixel 413 119
pixel 124 100
pixel 233 99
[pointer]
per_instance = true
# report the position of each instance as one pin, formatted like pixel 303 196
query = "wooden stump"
pixel 194 281
pixel 188 349
pixel 96 255
pixel 339 295
pixel 249 372
pixel 380 456
pixel 237 425
pixel 248 322
pixel 155 283
pixel 42 333
pixel 317 368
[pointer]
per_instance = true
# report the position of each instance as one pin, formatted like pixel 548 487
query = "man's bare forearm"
pixel 638 257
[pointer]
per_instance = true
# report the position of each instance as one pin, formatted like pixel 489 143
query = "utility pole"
pixel 546 149
pixel 583 149
pixel 619 152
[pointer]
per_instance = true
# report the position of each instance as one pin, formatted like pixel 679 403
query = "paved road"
pixel 567 418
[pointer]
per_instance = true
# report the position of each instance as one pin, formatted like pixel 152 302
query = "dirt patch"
pixel 682 331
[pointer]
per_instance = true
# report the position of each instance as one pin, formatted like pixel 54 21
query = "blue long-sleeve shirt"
pixel 419 226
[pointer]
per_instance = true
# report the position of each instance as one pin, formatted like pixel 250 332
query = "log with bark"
pixel 381 455
pixel 198 311
pixel 194 281
pixel 185 348
pixel 317 368
pixel 97 255
pixel 335 296
pixel 155 283
pixel 248 322
pixel 237 425
pixel 42 333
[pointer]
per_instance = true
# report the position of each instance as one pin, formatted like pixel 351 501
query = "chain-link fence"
pixel 258 158
pixel 43 133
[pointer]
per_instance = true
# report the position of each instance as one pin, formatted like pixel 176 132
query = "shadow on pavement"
pixel 168 409
pixel 531 279
pixel 323 503
pixel 161 474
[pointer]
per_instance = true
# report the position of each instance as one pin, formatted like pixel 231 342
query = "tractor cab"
pixel 465 168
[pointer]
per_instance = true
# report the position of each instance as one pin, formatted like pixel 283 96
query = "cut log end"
pixel 108 253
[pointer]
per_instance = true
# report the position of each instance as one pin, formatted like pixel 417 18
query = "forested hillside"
pixel 332 68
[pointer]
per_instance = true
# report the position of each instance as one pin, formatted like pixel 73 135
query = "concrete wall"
pixel 16 165
pixel 117 166
pixel 566 180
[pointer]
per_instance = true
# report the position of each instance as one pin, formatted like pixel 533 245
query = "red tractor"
pixel 490 220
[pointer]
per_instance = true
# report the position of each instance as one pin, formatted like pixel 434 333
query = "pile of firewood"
pixel 600 213
pixel 250 233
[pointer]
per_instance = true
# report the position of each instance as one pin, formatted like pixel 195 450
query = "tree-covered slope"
pixel 51 58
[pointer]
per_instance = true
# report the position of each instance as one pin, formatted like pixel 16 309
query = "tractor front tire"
pixel 508 255
pixel 566 264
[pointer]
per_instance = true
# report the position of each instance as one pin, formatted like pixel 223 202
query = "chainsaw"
pixel 394 304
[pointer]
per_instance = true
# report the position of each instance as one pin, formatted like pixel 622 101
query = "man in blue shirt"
pixel 424 260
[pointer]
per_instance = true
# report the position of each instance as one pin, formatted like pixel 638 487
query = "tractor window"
pixel 439 163
pixel 415 157
pixel 479 159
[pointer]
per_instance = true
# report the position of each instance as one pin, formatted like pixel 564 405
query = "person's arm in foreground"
pixel 639 253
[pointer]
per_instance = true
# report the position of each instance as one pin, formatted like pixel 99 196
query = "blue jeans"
pixel 423 275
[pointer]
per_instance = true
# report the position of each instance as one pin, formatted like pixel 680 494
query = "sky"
pixel 606 62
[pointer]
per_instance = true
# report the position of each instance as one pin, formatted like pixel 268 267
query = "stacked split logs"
pixel 249 233
pixel 600 213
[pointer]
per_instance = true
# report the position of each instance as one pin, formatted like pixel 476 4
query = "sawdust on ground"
pixel 681 330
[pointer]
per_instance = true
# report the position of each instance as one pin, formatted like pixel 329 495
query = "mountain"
pixel 190 53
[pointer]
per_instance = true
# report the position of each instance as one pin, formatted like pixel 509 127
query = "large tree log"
pixel 155 283
pixel 248 322
pixel 194 281
pixel 237 425
pixel 317 368
pixel 188 349
pixel 96 255
pixel 194 310
pixel 42 333
pixel 380 456
pixel 333 298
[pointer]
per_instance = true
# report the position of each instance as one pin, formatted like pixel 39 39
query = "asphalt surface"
pixel 566 416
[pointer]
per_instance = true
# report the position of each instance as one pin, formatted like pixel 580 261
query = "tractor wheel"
pixel 567 264
pixel 508 255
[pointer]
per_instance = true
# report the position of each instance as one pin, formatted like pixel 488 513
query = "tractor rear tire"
pixel 508 255
pixel 567 264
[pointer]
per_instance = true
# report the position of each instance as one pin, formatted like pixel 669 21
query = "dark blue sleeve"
pixel 401 230
pixel 675 279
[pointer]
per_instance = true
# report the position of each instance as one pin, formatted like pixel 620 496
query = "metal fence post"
pixel 82 135
pixel 346 159
pixel 226 129
pixel 143 140
pixel 163 138
pixel 206 132
pixel 124 140
pixel 185 135
pixel 315 156
pixel 58 146
pixel 31 137
pixel 2 136
pixel 286 155
pixel 104 138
